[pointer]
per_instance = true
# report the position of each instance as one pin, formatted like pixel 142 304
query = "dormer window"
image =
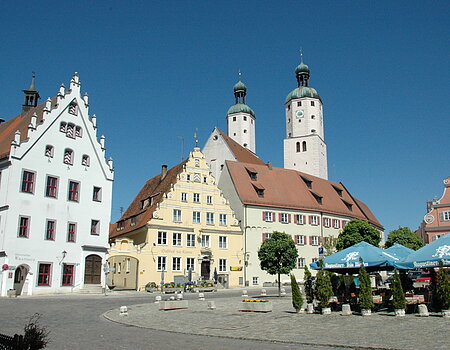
pixel 252 173
pixel 338 190
pixel 307 181
pixel 68 156
pixel 85 160
pixel 49 151
pixel 259 189
pixel 318 197
pixel 348 205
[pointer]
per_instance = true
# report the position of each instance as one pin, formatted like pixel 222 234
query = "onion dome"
pixel 239 87
pixel 303 91
pixel 302 68
pixel 240 108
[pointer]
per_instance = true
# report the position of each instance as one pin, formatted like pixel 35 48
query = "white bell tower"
pixel 305 149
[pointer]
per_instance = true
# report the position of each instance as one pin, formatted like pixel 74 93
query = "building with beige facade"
pixel 179 221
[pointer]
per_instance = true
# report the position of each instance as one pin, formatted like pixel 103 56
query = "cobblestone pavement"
pixel 379 331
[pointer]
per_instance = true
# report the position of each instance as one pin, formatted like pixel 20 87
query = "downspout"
pixel 245 246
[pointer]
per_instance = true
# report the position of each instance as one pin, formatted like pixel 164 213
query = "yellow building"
pixel 178 221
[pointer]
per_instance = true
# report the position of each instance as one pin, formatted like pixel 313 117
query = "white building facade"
pixel 55 196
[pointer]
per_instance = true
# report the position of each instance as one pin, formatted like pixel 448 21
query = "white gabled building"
pixel 55 196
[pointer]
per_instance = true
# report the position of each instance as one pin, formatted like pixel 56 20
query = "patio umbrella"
pixel 429 255
pixel 399 251
pixel 348 259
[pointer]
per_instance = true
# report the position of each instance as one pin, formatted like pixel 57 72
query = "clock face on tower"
pixel 299 113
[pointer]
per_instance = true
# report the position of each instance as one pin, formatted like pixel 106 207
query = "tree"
pixel 365 289
pixel 398 296
pixel 297 298
pixel 277 255
pixel 405 237
pixel 329 245
pixel 36 336
pixel 309 285
pixel 357 231
pixel 442 288
pixel 324 290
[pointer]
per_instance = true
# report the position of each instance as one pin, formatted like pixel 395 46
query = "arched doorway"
pixel 93 269
pixel 19 278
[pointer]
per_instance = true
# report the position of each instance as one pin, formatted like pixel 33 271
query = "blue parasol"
pixel 399 251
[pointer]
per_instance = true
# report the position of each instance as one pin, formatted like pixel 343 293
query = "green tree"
pixel 365 289
pixel 309 285
pixel 405 237
pixel 398 296
pixel 357 231
pixel 278 255
pixel 324 290
pixel 442 288
pixel 36 337
pixel 297 298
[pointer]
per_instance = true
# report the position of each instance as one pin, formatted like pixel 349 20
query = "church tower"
pixel 31 97
pixel 241 119
pixel 305 149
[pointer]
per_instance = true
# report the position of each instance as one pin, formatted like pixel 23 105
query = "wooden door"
pixel 93 269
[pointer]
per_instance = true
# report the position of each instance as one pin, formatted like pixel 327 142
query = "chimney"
pixel 163 171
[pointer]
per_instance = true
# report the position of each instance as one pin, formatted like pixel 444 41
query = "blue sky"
pixel 157 70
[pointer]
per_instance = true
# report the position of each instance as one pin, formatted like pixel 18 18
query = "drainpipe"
pixel 245 246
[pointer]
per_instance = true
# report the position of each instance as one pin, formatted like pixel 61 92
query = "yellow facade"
pixel 193 227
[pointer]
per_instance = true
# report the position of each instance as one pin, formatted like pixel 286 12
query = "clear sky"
pixel 157 70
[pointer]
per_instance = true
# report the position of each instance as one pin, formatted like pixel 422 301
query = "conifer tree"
pixel 365 289
pixel 297 298
pixel 442 288
pixel 309 285
pixel 398 296
pixel 324 290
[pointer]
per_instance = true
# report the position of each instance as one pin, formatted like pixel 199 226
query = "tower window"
pixel 304 146
pixel 299 103
pixel 234 134
pixel 312 103
pixel 245 145
pixel 313 117
pixel 245 118
pixel 289 107
pixel 313 130
pixel 234 119
pixel 297 146
pixel 245 131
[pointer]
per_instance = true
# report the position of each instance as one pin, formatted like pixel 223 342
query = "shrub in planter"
pixel 309 286
pixel 442 289
pixel 297 298
pixel 323 289
pixel 398 296
pixel 365 290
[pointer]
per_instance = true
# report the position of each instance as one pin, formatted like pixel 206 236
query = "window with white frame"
pixel 195 217
pixel 223 242
pixel 327 222
pixel 162 261
pixel 206 241
pixel 209 200
pixel 300 239
pixel 314 240
pixel 266 235
pixel 162 238
pixel 301 263
pixel 300 219
pixel 336 223
pixel 209 218
pixel 176 239
pixel 176 215
pixel 267 216
pixel 176 263
pixel 314 220
pixel 255 281
pixel 190 264
pixel 223 219
pixel 284 218
pixel 222 265
pixel 190 240
pixel 196 197
pixel 445 216
pixel 95 227
pixel 184 197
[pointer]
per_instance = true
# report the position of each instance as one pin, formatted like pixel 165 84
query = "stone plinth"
pixel 173 304
pixel 256 306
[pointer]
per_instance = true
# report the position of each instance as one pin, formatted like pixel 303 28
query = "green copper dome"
pixel 302 68
pixel 240 108
pixel 239 86
pixel 302 91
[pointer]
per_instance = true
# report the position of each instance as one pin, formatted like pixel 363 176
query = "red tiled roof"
pixel 291 189
pixel 154 189
pixel 242 154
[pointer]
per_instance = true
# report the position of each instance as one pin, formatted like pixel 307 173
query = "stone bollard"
pixel 179 296
pixel 263 292
pixel 123 311
pixel 171 297
pixel 201 296
pixel 244 294
pixel 283 292
pixel 211 305
pixel 310 308
pixel 346 310
pixel 158 299
pixel 423 310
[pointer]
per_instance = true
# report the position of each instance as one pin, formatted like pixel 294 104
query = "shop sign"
pixel 235 268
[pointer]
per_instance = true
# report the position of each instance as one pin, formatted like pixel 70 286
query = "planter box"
pixel 173 304
pixel 205 289
pixel 151 290
pixel 256 306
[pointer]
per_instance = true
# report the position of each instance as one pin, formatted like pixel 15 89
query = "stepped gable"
pixel 291 189
pixel 242 154
pixel 154 190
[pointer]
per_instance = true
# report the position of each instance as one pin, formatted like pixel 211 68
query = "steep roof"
pixel 291 189
pixel 153 191
pixel 242 154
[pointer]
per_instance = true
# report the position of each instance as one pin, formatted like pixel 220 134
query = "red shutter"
pixel 296 239
pixel 264 236
pixel 279 217
pixel 264 215
pixel 310 240
pixel 343 223
pixel 295 219
pixel 289 218
pixel 323 222
pixel 310 219
pixel 274 216
pixel 304 219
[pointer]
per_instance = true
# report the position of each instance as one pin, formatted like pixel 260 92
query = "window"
pixel 176 263
pixel 97 194
pixel 95 227
pixel 196 197
pixel 222 265
pixel 206 241
pixel 190 264
pixel 344 222
pixel 68 156
pixel 268 216
pixel 210 218
pixel 304 146
pixel 73 108
pixel 284 218
pixel 162 263
pixel 195 217
pixel 24 225
pixel 28 182
pixel 297 147
pixel 300 239
pixel 255 281
pixel 205 179
pixel 74 188
pixel 301 263
pixel 188 177
pixel 326 222
pixel 223 242
pixel 266 235
pixel 223 219
pixel 49 151
pixel 445 216
pixel 209 200
pixel 314 259
pixel 289 107
pixel 162 238
pixel 245 131
pixel 71 232
pixel 176 239
pixel 70 131
pixel 51 189
pixel 133 220
pixel 245 118
pixel 68 272
pixel 50 230
pixel 336 223
pixel 197 163
pixel 299 103
pixel 176 215
pixel 313 220
pixel 299 219
pixel 85 160
pixel 63 127
pixel 78 131
pixel 44 274
pixel 313 117
pixel 190 240
pixel 184 197
pixel 312 103
pixel 234 119
pixel 314 240
pixel 197 177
